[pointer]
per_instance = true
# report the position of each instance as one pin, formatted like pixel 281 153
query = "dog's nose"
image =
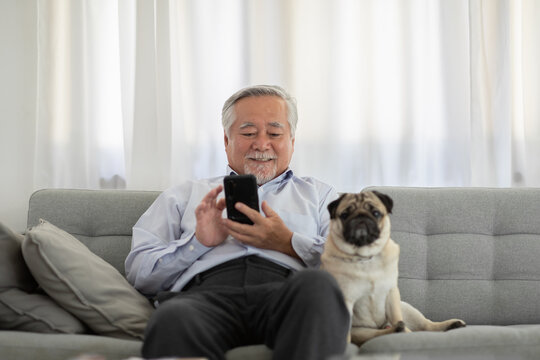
pixel 361 231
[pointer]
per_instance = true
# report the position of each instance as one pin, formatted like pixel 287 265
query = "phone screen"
pixel 240 188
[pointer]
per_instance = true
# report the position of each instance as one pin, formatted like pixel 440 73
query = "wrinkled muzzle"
pixel 361 231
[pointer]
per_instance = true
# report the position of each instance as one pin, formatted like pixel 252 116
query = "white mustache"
pixel 261 156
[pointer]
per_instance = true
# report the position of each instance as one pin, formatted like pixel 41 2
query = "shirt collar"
pixel 284 177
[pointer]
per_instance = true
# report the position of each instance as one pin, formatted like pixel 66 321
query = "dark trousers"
pixel 247 301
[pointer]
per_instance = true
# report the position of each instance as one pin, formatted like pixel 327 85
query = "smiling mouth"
pixel 261 157
pixel 261 160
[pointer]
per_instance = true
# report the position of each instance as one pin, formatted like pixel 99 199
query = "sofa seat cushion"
pixel 262 352
pixel 84 284
pixel 26 345
pixel 470 337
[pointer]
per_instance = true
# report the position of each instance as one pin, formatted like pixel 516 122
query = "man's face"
pixel 259 141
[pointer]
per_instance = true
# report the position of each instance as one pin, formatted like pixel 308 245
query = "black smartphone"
pixel 240 188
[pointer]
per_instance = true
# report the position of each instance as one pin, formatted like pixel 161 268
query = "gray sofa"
pixel 470 253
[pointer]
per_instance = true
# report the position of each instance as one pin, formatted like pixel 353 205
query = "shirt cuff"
pixel 195 249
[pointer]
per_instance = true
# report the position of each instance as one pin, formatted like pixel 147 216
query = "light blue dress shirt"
pixel 165 254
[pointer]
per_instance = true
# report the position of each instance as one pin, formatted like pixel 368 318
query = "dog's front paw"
pixel 456 325
pixel 400 327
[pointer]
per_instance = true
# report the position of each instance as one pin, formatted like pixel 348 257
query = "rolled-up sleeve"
pixel 161 249
pixel 310 248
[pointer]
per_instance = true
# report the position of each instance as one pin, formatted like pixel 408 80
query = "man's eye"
pixel 275 135
pixel 248 134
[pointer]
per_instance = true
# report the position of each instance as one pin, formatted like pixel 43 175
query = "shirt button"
pixel 191 247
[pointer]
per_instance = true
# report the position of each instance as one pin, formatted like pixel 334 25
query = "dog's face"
pixel 359 223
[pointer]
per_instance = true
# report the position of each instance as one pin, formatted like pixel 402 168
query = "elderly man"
pixel 219 284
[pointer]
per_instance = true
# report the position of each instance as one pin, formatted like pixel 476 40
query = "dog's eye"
pixel 345 214
pixel 377 214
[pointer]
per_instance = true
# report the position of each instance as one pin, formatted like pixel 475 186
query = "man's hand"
pixel 268 232
pixel 210 230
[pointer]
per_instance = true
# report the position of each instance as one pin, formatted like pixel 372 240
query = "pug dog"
pixel 363 258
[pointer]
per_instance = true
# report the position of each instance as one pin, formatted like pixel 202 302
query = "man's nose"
pixel 262 142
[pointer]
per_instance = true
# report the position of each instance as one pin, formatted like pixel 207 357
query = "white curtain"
pixel 390 92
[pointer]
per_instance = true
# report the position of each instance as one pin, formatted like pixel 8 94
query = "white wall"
pixel 18 52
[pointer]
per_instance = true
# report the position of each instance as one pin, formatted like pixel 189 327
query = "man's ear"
pixel 386 200
pixel 332 207
pixel 225 139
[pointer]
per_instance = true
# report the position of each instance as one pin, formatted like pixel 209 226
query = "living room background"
pixel 127 94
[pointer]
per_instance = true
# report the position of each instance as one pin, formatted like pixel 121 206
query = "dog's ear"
pixel 386 200
pixel 332 207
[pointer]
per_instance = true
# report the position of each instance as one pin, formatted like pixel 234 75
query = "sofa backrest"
pixel 470 253
pixel 101 219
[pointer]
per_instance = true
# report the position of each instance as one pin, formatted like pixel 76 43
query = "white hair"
pixel 228 115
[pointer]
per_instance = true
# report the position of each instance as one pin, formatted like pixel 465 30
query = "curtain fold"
pixel 504 120
pixel 79 141
pixel 416 93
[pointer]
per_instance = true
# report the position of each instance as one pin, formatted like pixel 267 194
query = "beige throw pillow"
pixel 22 308
pixel 14 273
pixel 36 312
pixel 84 284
